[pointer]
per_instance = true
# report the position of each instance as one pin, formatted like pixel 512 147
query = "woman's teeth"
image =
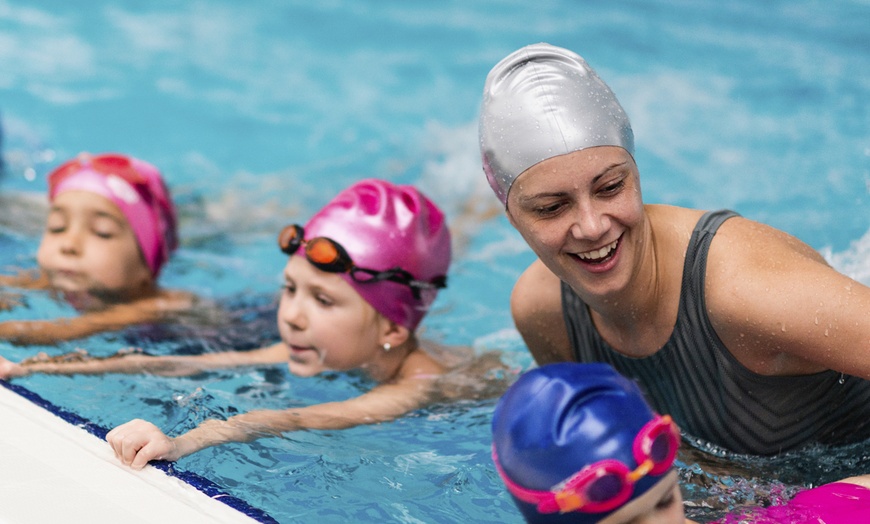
pixel 597 254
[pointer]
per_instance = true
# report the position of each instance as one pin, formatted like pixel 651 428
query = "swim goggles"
pixel 107 164
pixel 327 255
pixel 606 484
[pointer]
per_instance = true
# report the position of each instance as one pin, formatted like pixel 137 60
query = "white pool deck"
pixel 53 471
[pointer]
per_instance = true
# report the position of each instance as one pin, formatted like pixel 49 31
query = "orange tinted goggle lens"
pixel 322 251
pixel 290 239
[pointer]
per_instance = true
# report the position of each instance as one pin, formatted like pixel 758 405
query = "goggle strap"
pixel 545 500
pixel 293 236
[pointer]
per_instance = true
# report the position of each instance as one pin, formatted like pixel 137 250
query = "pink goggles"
pixel 606 484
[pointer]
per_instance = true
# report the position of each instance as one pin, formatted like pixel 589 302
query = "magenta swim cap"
pixel 383 226
pixel 138 190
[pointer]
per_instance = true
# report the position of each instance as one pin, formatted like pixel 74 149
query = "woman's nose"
pixel 589 224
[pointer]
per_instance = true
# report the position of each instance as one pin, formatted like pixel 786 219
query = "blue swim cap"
pixel 558 419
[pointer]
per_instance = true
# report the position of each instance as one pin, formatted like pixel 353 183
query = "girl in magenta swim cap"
pixel 111 227
pixel 360 276
pixel 373 259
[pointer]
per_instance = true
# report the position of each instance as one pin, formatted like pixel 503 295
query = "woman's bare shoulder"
pixel 673 219
pixel 538 290
pixel 780 308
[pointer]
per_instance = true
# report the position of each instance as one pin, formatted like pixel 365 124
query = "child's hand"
pixel 137 442
pixel 10 301
pixel 9 369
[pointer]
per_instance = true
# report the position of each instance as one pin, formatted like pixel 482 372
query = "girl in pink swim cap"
pixel 360 276
pixel 111 227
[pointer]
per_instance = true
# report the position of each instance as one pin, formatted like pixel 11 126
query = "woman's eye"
pixel 550 209
pixel 613 188
pixel 288 288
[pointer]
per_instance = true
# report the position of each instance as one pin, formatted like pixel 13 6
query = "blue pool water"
pixel 259 113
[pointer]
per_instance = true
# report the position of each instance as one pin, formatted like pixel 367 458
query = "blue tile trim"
pixel 201 483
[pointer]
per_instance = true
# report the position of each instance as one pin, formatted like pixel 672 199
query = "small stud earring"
pixel 387 346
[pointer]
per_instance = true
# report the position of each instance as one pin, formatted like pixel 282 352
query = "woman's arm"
pixel 780 308
pixel 138 442
pixel 130 363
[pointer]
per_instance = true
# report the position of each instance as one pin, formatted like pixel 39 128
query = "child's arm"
pixel 119 316
pixel 21 280
pixel 25 279
pixel 138 442
pixel 130 363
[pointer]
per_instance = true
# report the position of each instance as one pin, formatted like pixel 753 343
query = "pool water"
pixel 258 114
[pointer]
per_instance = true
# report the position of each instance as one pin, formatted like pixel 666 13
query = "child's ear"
pixel 394 334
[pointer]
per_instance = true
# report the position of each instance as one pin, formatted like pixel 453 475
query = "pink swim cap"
pixel 138 190
pixel 383 226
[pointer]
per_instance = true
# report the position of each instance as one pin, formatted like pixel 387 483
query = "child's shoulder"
pixel 421 365
pixel 470 375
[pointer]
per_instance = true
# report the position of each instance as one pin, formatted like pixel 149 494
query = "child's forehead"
pixel 76 202
pixel 301 271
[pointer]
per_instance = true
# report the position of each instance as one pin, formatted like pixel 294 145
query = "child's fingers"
pixel 128 440
pixel 150 451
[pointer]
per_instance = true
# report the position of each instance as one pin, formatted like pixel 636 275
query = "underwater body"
pixel 259 115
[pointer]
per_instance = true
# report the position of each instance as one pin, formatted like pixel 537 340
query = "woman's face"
pixel 324 322
pixel 89 250
pixel 582 214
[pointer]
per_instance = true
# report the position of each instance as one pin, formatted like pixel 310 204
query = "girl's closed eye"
pixel 105 227
pixel 56 222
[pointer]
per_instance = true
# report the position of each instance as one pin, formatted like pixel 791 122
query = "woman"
pixel 741 332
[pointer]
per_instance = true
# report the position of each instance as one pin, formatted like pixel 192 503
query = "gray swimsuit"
pixel 709 393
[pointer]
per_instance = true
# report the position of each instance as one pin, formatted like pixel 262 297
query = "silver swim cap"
pixel 543 101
